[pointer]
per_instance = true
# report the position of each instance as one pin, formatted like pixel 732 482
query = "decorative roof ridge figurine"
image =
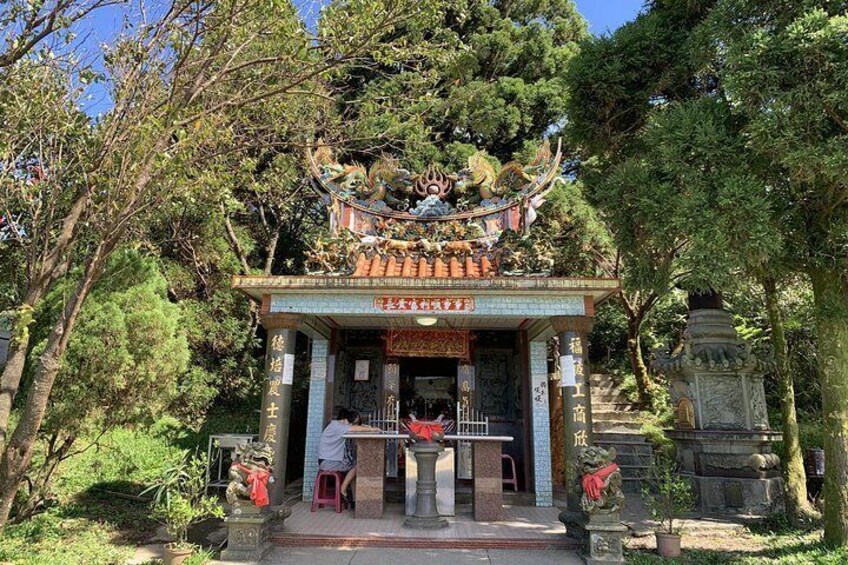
pixel 415 224
pixel 250 475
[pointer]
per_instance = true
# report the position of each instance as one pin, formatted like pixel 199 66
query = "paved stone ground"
pixel 374 556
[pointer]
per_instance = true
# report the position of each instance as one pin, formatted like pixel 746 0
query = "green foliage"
pixel 125 361
pixel 180 500
pixel 495 81
pixel 667 494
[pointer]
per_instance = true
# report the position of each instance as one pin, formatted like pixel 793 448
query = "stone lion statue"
pixel 250 474
pixel 600 479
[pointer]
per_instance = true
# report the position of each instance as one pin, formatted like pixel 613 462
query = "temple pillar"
pixel 573 332
pixel 465 384
pixel 391 396
pixel 541 423
pixel 276 397
pixel 315 413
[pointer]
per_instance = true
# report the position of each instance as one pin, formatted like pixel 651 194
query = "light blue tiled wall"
pixel 528 306
pixel 541 423
pixel 315 414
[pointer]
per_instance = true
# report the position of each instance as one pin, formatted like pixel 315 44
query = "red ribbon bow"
pixel 593 483
pixel 425 430
pixel 258 482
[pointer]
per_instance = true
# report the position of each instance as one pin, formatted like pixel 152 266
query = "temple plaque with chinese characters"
pixel 443 304
pixel 428 343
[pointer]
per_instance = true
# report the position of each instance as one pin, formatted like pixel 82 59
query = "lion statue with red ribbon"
pixel 600 479
pixel 250 474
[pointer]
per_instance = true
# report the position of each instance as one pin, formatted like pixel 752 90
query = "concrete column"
pixel 315 413
pixel 276 398
pixel 576 400
pixel 541 423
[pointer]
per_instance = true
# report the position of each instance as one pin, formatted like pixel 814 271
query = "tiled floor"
pixel 527 527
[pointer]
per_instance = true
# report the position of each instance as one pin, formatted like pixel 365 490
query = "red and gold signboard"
pixel 428 343
pixel 442 304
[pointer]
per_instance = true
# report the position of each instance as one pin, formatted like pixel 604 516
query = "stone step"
pixel 631 485
pixel 626 437
pixel 615 416
pixel 637 450
pixel 604 397
pixel 614 407
pixel 634 471
pixel 615 427
pixel 634 459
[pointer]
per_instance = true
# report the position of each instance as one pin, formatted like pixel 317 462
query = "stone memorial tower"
pixel 721 426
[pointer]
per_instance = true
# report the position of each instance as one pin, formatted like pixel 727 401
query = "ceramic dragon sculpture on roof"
pixel 391 210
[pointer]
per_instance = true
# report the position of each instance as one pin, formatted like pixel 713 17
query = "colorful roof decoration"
pixel 435 223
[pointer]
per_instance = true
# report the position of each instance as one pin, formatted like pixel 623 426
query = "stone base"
pixel 488 481
pixel 600 535
pixel 733 495
pixel 248 533
pixel 430 523
pixel 370 477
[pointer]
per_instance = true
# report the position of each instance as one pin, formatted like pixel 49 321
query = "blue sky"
pixel 608 15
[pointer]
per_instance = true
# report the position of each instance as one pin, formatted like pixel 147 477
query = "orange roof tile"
pixel 393 266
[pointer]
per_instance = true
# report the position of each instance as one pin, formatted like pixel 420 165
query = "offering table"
pixel 371 473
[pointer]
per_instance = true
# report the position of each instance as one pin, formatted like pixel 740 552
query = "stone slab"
pixel 488 482
pixel 370 477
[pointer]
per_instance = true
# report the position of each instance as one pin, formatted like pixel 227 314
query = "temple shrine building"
pixel 424 300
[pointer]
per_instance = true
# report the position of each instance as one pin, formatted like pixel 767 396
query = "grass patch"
pixel 788 548
pixel 96 517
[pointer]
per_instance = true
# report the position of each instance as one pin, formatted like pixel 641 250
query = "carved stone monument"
pixel 249 520
pixel 721 425
pixel 598 527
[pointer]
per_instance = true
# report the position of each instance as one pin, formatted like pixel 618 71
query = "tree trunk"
pixel 830 290
pixel 53 266
pixel 644 384
pixel 797 505
pixel 19 449
pixel 11 379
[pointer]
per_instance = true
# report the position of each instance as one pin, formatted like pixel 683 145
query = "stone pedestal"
pixel 600 534
pixel 721 427
pixel 488 481
pixel 370 477
pixel 426 516
pixel 733 472
pixel 248 533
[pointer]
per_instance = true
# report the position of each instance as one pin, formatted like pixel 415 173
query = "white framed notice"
pixel 288 368
pixel 361 370
pixel 569 375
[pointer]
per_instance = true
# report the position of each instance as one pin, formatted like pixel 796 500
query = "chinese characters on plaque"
pixel 445 304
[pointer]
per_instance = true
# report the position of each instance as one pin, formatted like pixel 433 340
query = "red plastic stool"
pixel 322 494
pixel 512 479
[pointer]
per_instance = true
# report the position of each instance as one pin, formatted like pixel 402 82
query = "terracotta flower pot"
pixel 668 545
pixel 176 555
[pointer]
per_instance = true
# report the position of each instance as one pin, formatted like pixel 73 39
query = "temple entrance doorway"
pixel 428 387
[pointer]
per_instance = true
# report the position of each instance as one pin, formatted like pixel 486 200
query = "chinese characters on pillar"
pixel 575 386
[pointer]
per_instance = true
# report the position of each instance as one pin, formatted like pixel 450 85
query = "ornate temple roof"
pixel 391 266
pixel 386 219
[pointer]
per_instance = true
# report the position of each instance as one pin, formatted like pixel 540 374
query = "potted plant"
pixel 668 496
pixel 180 501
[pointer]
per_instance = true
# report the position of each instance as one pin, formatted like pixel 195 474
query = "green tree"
pixel 123 367
pixel 785 66
pixel 171 83
pixel 498 84
pixel 615 84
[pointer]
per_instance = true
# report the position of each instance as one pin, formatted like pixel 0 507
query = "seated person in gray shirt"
pixel 333 451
